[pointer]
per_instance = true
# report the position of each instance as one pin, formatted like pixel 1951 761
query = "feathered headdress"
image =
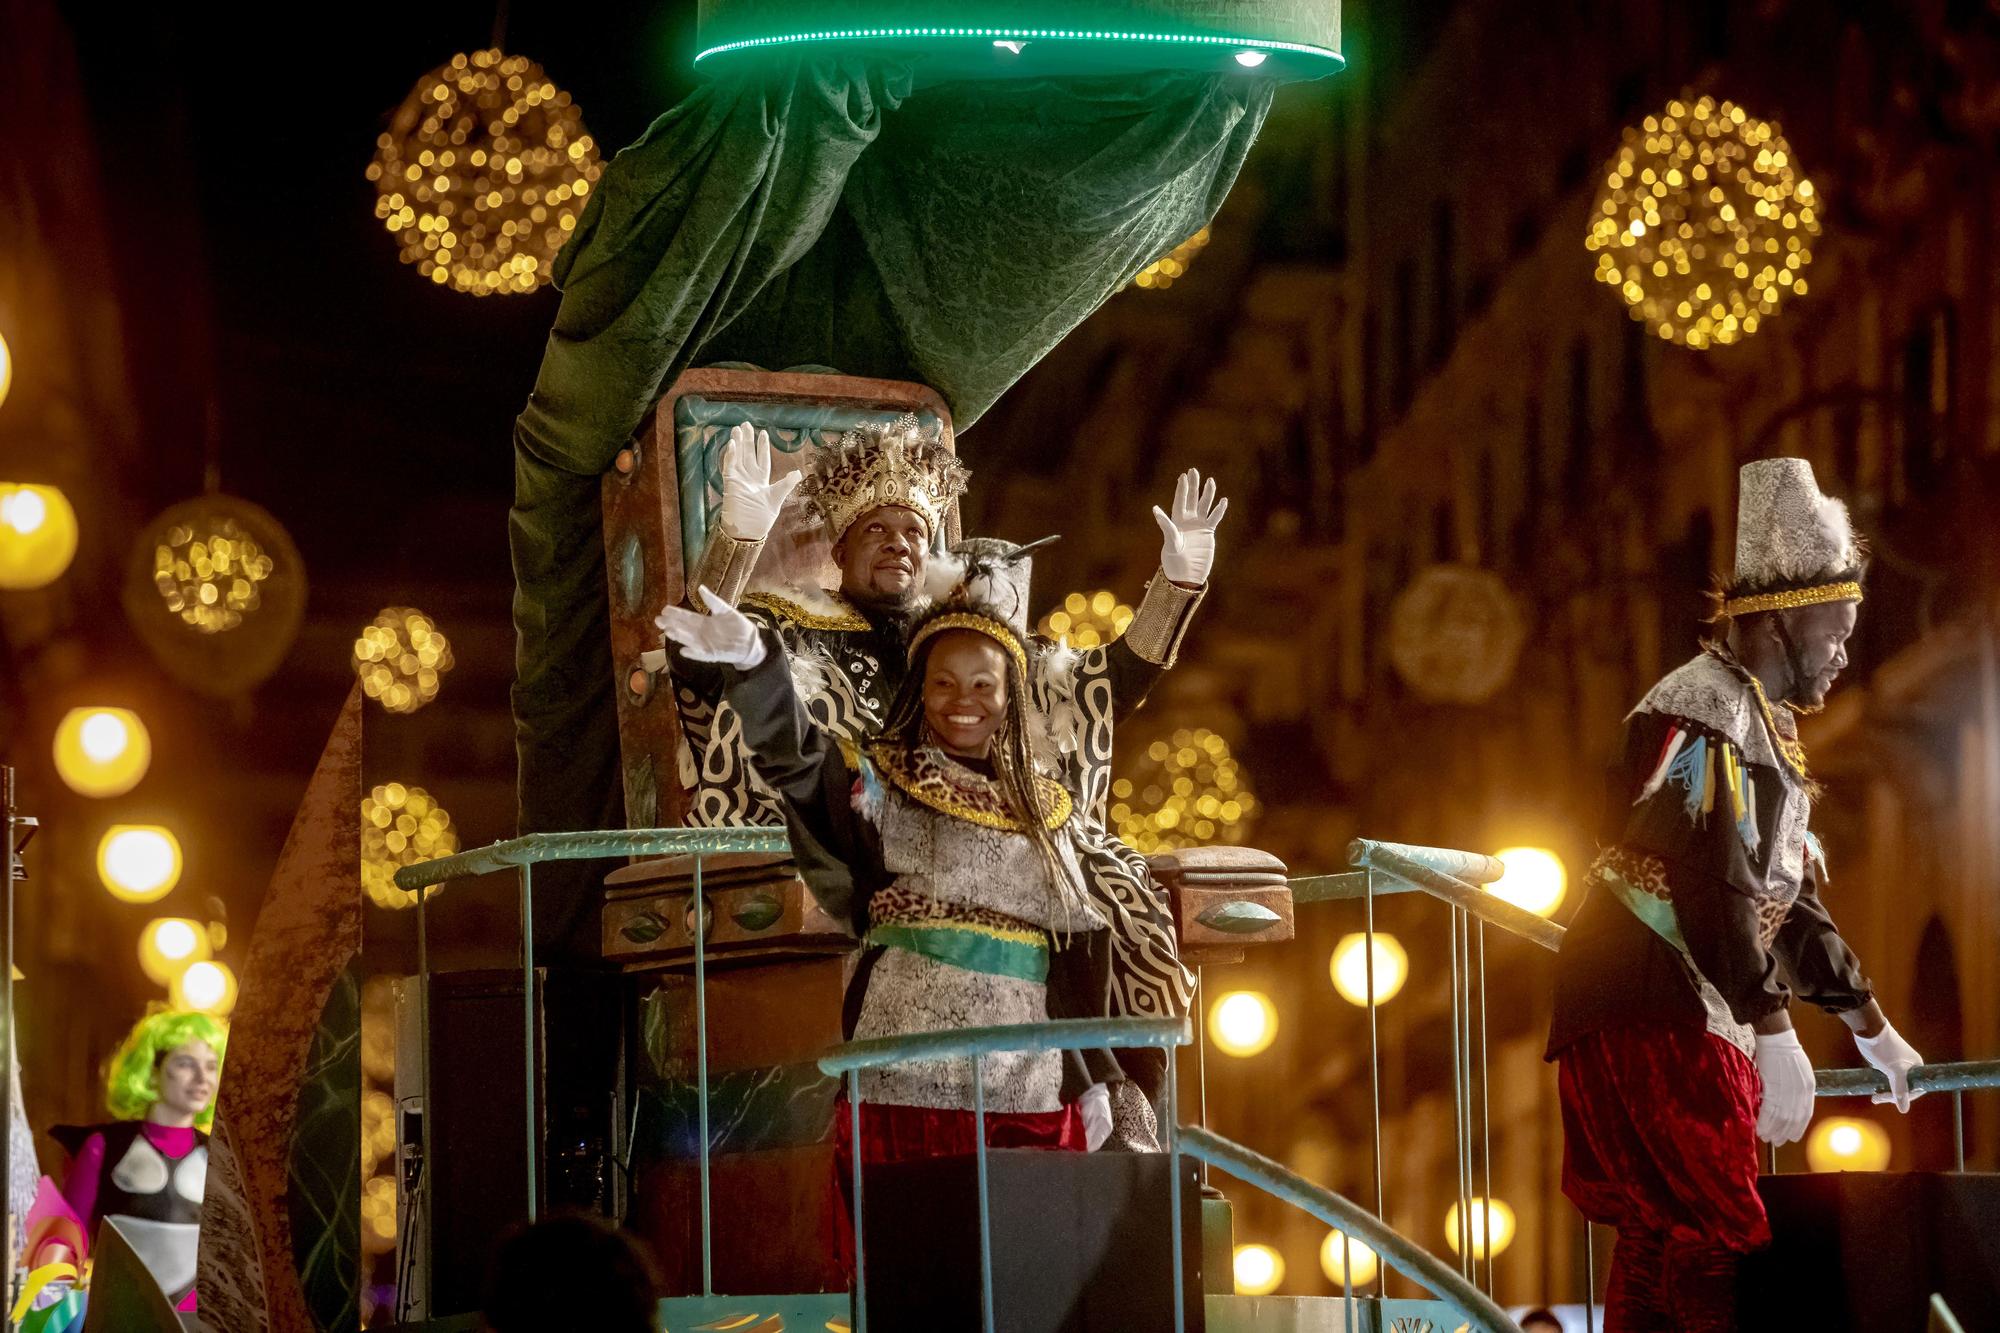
pixel 1794 546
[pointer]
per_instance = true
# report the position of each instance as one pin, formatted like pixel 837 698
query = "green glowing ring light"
pixel 959 39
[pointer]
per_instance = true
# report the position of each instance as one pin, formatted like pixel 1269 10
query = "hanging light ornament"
pixel 1188 792
pixel 37 534
pixel 1087 621
pixel 400 826
pixel 1704 226
pixel 400 658
pixel 216 591
pixel 483 173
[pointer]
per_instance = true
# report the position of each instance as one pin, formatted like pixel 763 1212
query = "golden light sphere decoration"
pixel 1847 1143
pixel 1160 274
pixel 1349 967
pixel 1188 792
pixel 208 569
pixel 400 658
pixel 1259 1270
pixel 1243 1023
pixel 1087 621
pixel 1346 1262
pixel 400 826
pixel 102 751
pixel 1704 225
pixel 38 535
pixel 169 945
pixel 1534 880
pixel 483 173
pixel 139 863
pixel 1489 1217
pixel 216 590
pixel 6 369
pixel 206 987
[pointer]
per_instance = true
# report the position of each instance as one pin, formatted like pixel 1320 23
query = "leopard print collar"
pixel 927 776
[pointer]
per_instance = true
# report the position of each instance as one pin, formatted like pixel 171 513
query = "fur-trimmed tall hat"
pixel 1794 546
pixel 874 465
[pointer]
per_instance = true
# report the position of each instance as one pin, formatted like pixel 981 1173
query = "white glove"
pixel 1095 1107
pixel 1188 552
pixel 725 635
pixel 1888 1052
pixel 1786 1107
pixel 750 499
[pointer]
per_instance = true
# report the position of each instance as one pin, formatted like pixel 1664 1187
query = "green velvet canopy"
pixel 826 209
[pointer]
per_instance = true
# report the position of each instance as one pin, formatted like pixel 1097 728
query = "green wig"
pixel 131 1085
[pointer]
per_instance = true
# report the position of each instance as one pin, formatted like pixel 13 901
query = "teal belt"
pixel 976 948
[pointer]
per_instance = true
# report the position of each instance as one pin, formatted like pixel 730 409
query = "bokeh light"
pixel 1187 791
pixel 207 987
pixel 483 173
pixel 1259 1270
pixel 1704 225
pixel 208 570
pixel 400 826
pixel 1335 1254
pixel 1349 967
pixel 1161 273
pixel 37 535
pixel 1847 1143
pixel 1535 879
pixel 378 1215
pixel 215 589
pixel 1496 1214
pixel 169 944
pixel 139 863
pixel 102 751
pixel 6 369
pixel 1087 621
pixel 400 658
pixel 1242 1023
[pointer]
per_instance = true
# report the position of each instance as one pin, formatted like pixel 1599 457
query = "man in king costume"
pixel 1701 920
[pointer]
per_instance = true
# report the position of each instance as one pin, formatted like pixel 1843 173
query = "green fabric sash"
pixel 972 950
pixel 1656 914
pixel 820 211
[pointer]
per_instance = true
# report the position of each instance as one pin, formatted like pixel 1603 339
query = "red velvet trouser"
pixel 1660 1141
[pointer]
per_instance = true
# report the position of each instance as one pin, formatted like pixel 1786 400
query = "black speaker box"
pixel 1080 1243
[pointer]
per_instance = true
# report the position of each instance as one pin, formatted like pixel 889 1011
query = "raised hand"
pixel 750 499
pixel 1187 552
pixel 724 636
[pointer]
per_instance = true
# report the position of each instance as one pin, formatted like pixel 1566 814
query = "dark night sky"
pixel 370 411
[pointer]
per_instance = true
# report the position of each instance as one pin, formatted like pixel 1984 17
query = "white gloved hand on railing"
pixel 725 635
pixel 1095 1107
pixel 1187 552
pixel 1786 1107
pixel 1888 1052
pixel 750 499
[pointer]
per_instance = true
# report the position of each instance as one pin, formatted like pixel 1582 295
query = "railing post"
pixel 1174 1187
pixel 1374 1065
pixel 428 1227
pixel 860 1264
pixel 985 1218
pixel 1459 1104
pixel 1485 1117
pixel 1589 1278
pixel 1958 1131
pixel 528 1021
pixel 700 904
pixel 1201 1055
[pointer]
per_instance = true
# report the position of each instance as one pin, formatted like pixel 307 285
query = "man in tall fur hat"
pixel 882 493
pixel 1702 919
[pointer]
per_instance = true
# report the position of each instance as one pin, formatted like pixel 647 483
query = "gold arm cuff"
pixel 724 569
pixel 1162 620
pixel 1848 591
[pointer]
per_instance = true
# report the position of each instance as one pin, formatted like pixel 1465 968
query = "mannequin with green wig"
pixel 148 1166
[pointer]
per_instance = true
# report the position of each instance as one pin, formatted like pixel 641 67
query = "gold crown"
pixel 874 465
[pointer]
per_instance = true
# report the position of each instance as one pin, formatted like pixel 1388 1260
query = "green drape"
pixel 821 211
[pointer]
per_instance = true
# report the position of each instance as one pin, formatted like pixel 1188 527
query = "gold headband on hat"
pixel 994 629
pixel 1846 590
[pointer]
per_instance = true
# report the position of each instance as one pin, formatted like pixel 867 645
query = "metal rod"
pixel 701 1069
pixel 1201 1056
pixel 1957 1130
pixel 1589 1279
pixel 1771 1158
pixel 429 1250
pixel 528 1023
pixel 1174 1187
pixel 985 1206
pixel 1347 1281
pixel 860 1268
pixel 1374 1064
pixel 1485 1113
pixel 1458 1108
pixel 1486 906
